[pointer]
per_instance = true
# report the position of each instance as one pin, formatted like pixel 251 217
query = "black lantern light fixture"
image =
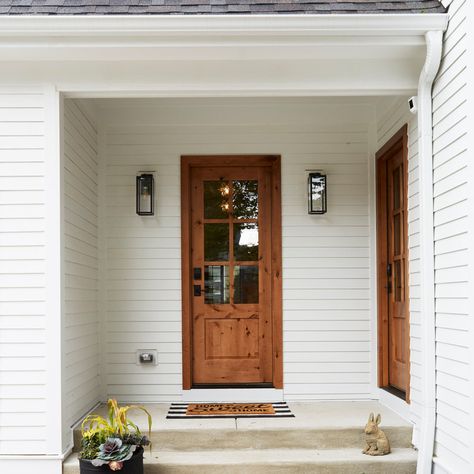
pixel 145 194
pixel 317 193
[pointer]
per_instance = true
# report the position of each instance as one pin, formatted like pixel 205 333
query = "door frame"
pixel 397 142
pixel 194 161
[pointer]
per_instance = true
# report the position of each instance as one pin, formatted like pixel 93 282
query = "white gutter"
pixel 434 45
pixel 209 25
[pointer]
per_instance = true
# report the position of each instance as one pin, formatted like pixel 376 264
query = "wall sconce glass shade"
pixel 317 193
pixel 145 195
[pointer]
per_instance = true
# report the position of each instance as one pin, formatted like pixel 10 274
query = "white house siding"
pixel 23 367
pixel 81 364
pixel 325 258
pixel 454 401
pixel 389 122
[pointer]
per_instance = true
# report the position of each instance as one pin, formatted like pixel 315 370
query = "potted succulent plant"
pixel 114 443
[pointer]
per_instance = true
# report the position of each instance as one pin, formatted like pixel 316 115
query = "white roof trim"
pixel 161 25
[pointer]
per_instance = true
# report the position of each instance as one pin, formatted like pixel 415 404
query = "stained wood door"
pixel 393 266
pixel 233 299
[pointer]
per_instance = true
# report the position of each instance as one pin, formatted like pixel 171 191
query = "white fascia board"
pixel 209 25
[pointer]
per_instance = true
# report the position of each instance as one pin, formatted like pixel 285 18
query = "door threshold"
pixel 228 395
pixel 396 392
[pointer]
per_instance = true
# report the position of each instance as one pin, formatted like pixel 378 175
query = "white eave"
pixel 220 54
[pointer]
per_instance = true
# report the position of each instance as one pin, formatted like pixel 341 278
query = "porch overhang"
pixel 219 55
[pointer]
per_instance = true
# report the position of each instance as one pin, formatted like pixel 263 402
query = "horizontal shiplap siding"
pixel 389 123
pixel 22 273
pixel 453 373
pixel 325 258
pixel 81 384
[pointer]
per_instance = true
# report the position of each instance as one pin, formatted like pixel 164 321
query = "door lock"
pixel 197 290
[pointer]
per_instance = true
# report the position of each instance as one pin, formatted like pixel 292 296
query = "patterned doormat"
pixel 229 410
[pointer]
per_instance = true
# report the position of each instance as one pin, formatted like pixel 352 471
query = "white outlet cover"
pixel 154 352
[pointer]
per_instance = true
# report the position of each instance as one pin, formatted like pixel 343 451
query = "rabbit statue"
pixel 376 443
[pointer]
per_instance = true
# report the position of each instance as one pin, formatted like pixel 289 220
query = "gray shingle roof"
pixel 169 7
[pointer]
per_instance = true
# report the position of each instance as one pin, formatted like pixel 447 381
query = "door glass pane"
pixel 396 188
pixel 245 242
pixel 216 284
pixel 216 199
pixel 398 281
pixel 245 199
pixel 245 284
pixel 397 248
pixel 216 242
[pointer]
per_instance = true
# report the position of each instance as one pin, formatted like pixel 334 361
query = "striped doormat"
pixel 229 410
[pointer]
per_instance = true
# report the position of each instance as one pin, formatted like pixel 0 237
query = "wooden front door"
pixel 231 271
pixel 394 349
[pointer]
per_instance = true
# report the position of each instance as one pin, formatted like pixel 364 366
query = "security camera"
pixel 413 104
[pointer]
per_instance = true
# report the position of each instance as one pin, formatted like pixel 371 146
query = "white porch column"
pixel 30 280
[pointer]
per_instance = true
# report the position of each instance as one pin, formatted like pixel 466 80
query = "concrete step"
pixel 274 461
pixel 217 439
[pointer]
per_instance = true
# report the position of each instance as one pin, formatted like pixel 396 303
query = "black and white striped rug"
pixel 229 410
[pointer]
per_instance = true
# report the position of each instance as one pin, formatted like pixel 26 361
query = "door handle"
pixel 197 290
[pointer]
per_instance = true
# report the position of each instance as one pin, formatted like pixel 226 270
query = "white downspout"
pixel 434 46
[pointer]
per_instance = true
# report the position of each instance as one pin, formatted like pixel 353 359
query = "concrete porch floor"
pixel 308 415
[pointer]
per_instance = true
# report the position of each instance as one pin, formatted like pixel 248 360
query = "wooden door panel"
pixel 233 338
pixel 233 316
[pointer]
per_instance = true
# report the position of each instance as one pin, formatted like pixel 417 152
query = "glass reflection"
pixel 216 284
pixel 245 284
pixel 317 192
pixel 216 242
pixel 245 199
pixel 216 199
pixel 246 242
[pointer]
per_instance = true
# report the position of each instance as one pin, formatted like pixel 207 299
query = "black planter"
pixel 132 466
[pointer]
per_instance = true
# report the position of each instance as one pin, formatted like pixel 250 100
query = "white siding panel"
pixel 325 258
pixel 451 241
pixel 81 385
pixel 22 273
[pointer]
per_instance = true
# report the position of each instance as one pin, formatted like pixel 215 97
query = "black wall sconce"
pixel 317 193
pixel 145 195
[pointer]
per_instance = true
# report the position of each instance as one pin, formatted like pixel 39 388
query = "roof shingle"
pixel 206 7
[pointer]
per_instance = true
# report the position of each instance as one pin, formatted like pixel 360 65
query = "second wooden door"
pixel 392 211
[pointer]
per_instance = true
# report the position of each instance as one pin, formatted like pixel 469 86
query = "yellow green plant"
pixel 117 422
pixel 96 429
